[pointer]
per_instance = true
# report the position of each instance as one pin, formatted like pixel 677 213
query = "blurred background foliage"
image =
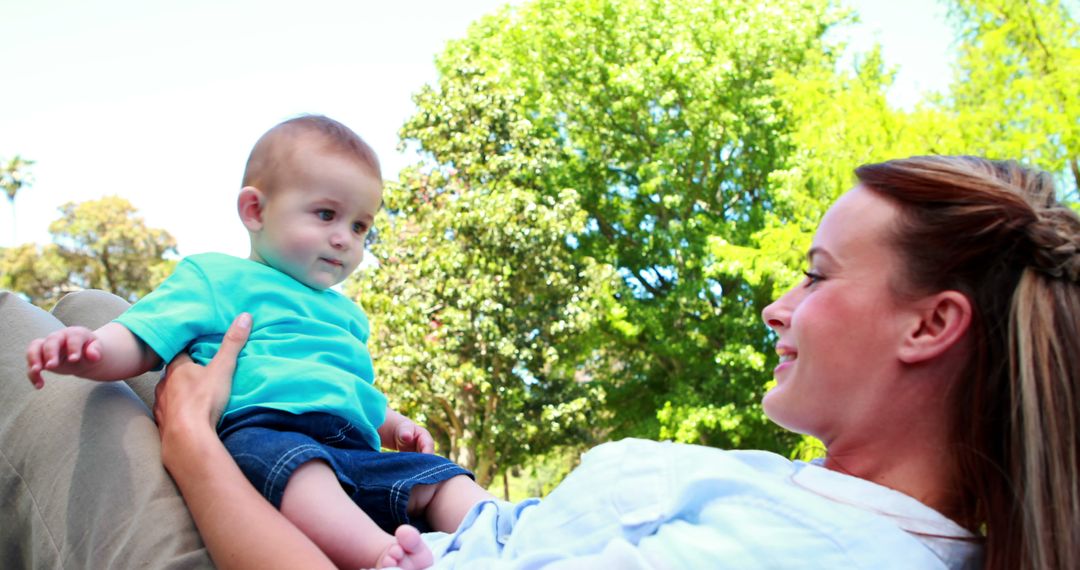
pixel 98 244
pixel 608 194
pixel 629 183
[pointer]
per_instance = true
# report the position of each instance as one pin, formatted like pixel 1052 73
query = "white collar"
pixel 952 543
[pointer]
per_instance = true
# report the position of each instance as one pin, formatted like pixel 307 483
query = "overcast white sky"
pixel 160 101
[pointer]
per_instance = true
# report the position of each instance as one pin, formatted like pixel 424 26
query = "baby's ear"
pixel 249 204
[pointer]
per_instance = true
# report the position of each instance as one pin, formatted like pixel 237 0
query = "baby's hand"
pixel 67 351
pixel 410 437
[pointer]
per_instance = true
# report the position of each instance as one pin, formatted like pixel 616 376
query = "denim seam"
pixel 395 490
pixel 340 435
pixel 282 463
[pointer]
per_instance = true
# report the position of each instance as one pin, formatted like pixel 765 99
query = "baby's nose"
pixel 338 240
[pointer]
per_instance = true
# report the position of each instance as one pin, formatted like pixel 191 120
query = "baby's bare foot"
pixel 408 552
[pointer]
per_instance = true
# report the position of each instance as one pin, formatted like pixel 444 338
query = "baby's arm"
pixel 400 433
pixel 111 352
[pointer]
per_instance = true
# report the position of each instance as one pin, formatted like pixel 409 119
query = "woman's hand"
pixel 192 397
pixel 203 391
pixel 240 528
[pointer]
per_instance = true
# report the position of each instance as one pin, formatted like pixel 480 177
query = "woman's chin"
pixel 771 405
pixel 780 411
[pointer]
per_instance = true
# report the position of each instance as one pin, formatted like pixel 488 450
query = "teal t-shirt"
pixel 307 351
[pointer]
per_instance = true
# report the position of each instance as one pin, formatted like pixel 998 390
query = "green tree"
pixel 669 120
pixel 14 176
pixel 1016 92
pixel 702 140
pixel 39 273
pixel 481 317
pixel 101 244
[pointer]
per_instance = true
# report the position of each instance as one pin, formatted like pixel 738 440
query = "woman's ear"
pixel 249 204
pixel 944 319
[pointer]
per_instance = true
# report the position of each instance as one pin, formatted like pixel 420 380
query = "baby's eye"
pixel 325 215
pixel 358 227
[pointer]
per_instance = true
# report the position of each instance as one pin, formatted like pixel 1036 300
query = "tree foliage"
pixel 1017 93
pixel 482 315
pixel 609 194
pixel 40 273
pixel 702 140
pixel 670 122
pixel 99 244
pixel 14 176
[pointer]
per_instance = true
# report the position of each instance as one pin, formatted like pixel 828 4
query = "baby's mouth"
pixel 331 261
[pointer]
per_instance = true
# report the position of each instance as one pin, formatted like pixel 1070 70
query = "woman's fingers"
pixel 225 360
pixel 193 391
pixel 172 375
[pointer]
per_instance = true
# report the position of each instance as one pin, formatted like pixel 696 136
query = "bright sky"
pixel 160 102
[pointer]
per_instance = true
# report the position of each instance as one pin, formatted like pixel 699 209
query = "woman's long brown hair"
pixel 994 231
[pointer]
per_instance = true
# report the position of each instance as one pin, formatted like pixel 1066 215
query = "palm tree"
pixel 14 176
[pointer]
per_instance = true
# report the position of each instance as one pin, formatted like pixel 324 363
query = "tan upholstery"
pixel 81 481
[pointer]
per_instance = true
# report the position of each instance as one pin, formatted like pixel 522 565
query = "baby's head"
pixel 310 193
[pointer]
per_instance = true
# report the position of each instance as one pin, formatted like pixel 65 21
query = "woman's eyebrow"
pixel 818 252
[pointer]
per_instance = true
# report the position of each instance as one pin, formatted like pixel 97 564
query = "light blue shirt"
pixel 644 504
pixel 307 351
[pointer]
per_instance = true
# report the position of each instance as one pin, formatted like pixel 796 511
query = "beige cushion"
pixel 81 481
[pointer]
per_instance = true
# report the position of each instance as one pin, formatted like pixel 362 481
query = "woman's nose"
pixel 776 315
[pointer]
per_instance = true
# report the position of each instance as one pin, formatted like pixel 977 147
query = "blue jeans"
pixel 269 445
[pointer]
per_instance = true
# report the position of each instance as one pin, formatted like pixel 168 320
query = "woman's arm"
pixel 240 528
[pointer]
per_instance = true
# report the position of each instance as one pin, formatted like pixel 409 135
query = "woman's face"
pixel 839 330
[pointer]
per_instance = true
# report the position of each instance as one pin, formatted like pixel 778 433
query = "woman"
pixel 934 347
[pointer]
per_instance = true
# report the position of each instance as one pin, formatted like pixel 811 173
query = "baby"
pixel 304 421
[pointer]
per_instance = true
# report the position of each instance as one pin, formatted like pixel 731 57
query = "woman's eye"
pixel 813 277
pixel 325 215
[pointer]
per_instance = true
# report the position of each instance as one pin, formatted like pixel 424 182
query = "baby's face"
pixel 316 220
